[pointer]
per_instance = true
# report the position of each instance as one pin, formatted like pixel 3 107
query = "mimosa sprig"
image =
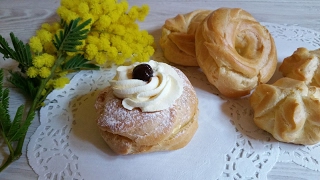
pixel 37 87
pixel 91 34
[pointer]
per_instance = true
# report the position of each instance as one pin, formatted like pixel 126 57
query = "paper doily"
pixel 227 144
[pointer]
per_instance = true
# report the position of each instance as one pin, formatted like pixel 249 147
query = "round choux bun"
pixel 303 65
pixel 289 110
pixel 235 51
pixel 177 39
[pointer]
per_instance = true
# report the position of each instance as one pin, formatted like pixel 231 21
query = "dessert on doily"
pixel 249 146
pixel 289 109
pixel 234 50
pixel 238 56
pixel 148 107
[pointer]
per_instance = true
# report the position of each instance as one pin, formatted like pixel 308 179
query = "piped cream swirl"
pixel 158 94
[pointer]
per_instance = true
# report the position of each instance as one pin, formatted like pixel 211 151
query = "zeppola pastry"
pixel 289 110
pixel 235 51
pixel 148 107
pixel 177 39
pixel 303 65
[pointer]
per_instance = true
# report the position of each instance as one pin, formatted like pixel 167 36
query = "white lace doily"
pixel 227 144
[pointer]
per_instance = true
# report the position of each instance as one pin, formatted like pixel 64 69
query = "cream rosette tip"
pixel 159 93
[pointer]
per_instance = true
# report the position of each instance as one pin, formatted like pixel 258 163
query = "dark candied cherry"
pixel 143 72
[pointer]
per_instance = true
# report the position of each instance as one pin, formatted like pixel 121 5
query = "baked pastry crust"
pixel 289 110
pixel 133 131
pixel 303 65
pixel 235 51
pixel 177 39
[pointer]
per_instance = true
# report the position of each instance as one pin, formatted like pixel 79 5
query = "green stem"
pixel 36 104
pixel 15 154
pixel 8 143
pixel 12 155
pixel 7 163
pixel 44 96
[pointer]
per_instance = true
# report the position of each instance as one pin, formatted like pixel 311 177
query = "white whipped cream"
pixel 158 94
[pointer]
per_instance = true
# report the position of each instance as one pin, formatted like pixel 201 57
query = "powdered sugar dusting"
pixel 138 126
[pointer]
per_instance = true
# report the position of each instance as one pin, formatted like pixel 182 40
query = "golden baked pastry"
pixel 177 39
pixel 289 110
pixel 235 51
pixel 139 118
pixel 303 65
